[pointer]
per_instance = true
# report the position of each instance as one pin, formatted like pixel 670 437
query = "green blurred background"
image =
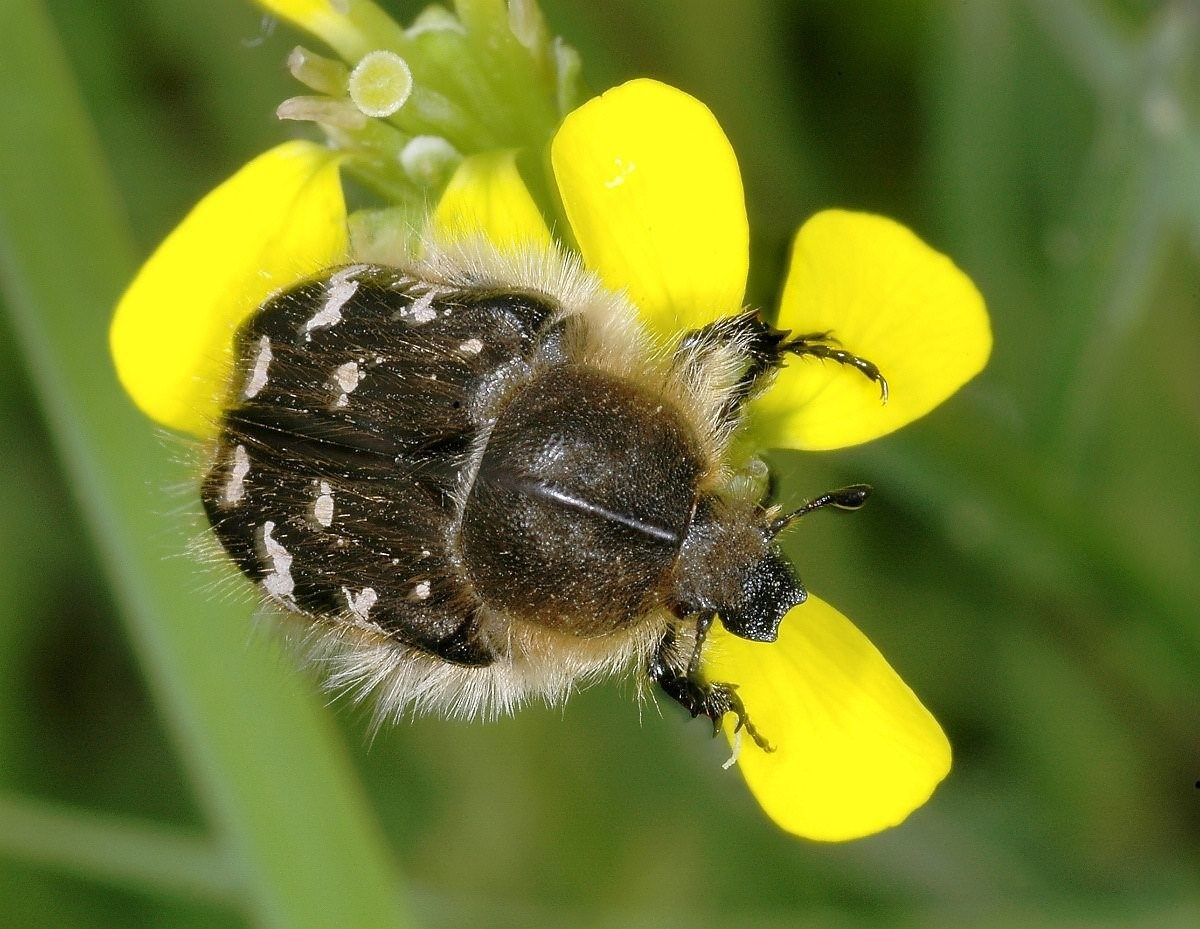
pixel 1029 564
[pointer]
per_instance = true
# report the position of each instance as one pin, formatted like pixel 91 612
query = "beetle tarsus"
pixel 824 346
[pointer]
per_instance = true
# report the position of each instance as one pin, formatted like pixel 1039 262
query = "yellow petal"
pixel 651 187
pixel 278 220
pixel 487 196
pixel 855 751
pixel 888 297
pixel 350 27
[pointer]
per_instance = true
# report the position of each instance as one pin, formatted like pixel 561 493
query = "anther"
pixel 324 75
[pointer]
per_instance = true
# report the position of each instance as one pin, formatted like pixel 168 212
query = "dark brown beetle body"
pixel 459 474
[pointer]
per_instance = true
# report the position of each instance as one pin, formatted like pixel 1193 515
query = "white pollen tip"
pixel 737 751
pixel 428 158
pixel 420 591
pixel 258 374
pixel 471 347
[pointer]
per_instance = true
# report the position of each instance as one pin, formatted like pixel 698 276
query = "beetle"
pixel 481 481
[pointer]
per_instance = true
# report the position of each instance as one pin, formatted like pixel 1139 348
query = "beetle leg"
pixel 697 696
pixel 764 349
pixel 750 338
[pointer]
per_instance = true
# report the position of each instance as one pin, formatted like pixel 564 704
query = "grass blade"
pixel 262 753
pixel 123 852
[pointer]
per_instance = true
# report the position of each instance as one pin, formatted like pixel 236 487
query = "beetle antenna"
pixel 844 498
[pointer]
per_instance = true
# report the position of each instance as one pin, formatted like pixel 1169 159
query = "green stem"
pixel 263 755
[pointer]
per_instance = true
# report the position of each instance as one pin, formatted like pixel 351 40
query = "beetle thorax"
pixel 581 501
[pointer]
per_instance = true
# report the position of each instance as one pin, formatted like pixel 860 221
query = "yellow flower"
pixel 650 187
pixel 280 219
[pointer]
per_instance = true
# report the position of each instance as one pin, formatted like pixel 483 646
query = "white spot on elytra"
pixel 258 374
pixel 323 507
pixel 471 347
pixel 348 272
pixel 235 486
pixel 420 591
pixel 278 582
pixel 341 289
pixel 422 310
pixel 360 603
pixel 347 376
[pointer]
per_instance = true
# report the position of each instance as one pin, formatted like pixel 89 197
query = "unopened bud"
pixel 526 23
pixel 428 159
pixel 435 19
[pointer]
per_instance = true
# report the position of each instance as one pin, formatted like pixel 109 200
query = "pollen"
pixel 422 309
pixel 471 347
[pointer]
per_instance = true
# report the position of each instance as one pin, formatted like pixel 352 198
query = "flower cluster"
pixel 460 111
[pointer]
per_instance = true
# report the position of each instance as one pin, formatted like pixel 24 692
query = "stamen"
pixel 324 75
pixel 327 111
